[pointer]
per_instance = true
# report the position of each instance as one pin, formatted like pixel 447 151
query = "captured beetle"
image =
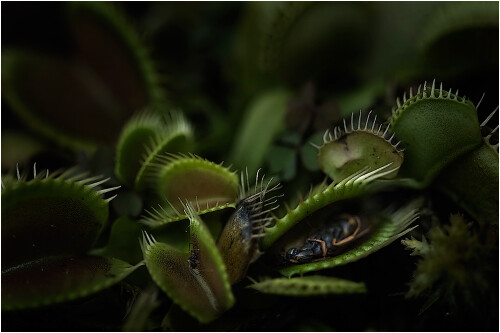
pixel 324 242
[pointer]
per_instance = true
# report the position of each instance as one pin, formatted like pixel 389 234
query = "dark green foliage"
pixel 58 279
pixel 47 217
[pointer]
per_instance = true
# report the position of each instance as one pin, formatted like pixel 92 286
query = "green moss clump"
pixel 453 262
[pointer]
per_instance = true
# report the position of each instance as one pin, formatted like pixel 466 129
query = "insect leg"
pixel 323 245
pixel 357 222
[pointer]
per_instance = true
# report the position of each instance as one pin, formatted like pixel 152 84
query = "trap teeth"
pixel 434 115
pixel 357 148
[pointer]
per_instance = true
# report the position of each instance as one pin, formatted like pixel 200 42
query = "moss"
pixel 453 262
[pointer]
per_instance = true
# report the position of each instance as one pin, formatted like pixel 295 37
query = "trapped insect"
pixel 339 232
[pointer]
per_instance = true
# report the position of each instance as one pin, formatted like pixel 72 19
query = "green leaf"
pixel 107 42
pixel 239 240
pixel 83 99
pixel 436 127
pixel 357 146
pixel 128 203
pixel 472 182
pixel 175 137
pixel 144 305
pixel 122 242
pixel 384 232
pixel 208 186
pixel 282 162
pixel 301 40
pixel 51 215
pixel 53 280
pixel 309 286
pixel 442 35
pixel 41 99
pixel 309 153
pixel 262 123
pixel 197 281
pixel 132 145
pixel 350 187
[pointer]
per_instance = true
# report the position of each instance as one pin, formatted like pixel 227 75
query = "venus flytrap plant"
pixel 100 104
pixel 52 280
pixel 52 224
pixel 198 180
pixel 239 241
pixel 323 231
pixel 110 25
pixel 197 281
pixel 139 131
pixel 49 224
pixel 143 142
pixel 448 24
pixel 313 236
pixel 445 147
pixel 146 303
pixel 443 136
pixel 291 47
pixel 381 230
pixel 437 126
pixel 477 190
pixel 188 186
pixel 208 186
pixel 352 186
pixel 263 121
pixel 308 286
pixel 56 201
pixel 176 137
pixel 346 151
pixel 352 158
